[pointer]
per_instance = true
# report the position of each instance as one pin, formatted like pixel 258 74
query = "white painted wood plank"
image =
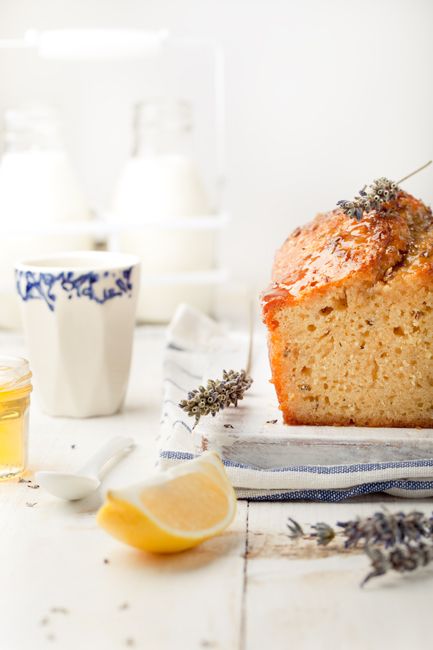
pixel 52 554
pixel 254 435
pixel 190 600
pixel 304 597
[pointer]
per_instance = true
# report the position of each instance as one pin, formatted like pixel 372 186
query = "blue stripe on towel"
pixel 334 496
pixel 312 469
pixel 177 455
pixel 329 495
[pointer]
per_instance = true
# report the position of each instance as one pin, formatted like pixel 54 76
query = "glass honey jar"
pixel 15 389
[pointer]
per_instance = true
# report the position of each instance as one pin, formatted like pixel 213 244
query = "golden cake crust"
pixel 335 250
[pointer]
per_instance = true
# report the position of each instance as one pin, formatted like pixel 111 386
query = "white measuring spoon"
pixel 88 478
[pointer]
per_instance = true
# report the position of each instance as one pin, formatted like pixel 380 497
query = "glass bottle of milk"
pixel 161 182
pixel 38 189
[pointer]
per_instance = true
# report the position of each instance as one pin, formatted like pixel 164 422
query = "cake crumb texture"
pixel 350 319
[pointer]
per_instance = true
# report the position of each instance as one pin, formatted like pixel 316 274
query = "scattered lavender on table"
pixel 216 395
pixel 323 533
pixel 59 610
pixel 387 529
pixel 295 529
pixel 404 558
pixel 399 542
pixel 382 528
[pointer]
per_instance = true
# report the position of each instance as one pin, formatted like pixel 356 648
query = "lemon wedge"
pixel 174 510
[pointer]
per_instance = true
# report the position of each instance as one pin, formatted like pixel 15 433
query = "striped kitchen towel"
pixel 265 459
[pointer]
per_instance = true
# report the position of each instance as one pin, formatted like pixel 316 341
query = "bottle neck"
pixel 152 142
pixel 162 127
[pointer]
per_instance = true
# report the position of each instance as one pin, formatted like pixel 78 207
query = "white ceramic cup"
pixel 78 315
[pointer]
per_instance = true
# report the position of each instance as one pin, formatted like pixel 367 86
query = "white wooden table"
pixel 66 584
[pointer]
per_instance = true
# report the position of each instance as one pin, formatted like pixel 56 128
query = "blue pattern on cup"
pixel 98 287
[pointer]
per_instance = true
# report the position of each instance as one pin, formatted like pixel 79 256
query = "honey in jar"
pixel 15 389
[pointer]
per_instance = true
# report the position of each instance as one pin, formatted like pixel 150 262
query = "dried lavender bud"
pixel 59 610
pixel 295 530
pixel 399 558
pixel 387 529
pixel 217 395
pixel 380 192
pixel 323 533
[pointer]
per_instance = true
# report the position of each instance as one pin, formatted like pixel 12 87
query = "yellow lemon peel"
pixel 173 511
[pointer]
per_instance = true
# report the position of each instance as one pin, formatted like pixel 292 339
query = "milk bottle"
pixel 38 191
pixel 160 183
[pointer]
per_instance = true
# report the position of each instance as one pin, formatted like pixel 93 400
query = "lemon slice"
pixel 174 510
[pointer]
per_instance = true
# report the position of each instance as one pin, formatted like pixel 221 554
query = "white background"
pixel 322 97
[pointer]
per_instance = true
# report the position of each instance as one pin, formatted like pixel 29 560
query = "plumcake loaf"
pixel 350 318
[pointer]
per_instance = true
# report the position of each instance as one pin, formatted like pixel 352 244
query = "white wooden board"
pixel 259 438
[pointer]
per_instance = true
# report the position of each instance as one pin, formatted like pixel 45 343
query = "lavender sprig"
pixel 387 529
pixel 399 558
pixel 382 528
pixel 216 395
pixel 393 542
pixel 379 193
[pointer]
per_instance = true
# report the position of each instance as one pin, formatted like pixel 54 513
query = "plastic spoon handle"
pixel 115 447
